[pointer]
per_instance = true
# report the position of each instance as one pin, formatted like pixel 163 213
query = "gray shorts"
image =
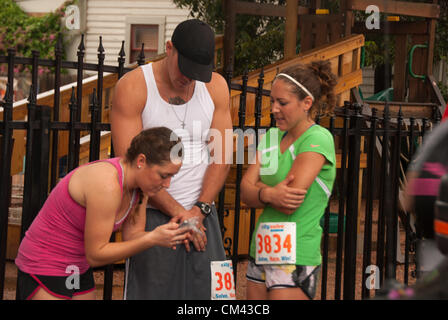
pixel 285 276
pixel 165 274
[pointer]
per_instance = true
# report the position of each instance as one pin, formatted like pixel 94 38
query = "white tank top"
pixel 186 185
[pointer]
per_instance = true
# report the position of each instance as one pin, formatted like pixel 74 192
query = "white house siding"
pixel 368 81
pixel 441 72
pixel 108 19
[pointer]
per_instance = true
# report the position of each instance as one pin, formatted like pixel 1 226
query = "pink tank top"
pixel 54 244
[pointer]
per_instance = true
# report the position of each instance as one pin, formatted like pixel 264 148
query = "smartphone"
pixel 190 224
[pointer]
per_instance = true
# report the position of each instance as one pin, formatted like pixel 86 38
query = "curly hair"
pixel 157 144
pixel 319 80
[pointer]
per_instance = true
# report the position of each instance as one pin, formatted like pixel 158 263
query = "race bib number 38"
pixel 223 283
pixel 276 243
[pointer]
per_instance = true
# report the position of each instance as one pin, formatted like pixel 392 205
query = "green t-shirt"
pixel 275 166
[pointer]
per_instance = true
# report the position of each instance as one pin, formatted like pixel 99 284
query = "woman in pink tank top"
pixel 71 233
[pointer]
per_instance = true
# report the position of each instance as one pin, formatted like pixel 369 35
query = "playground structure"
pixel 414 87
pixel 329 37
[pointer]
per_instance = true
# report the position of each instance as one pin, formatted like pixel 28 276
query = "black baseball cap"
pixel 195 43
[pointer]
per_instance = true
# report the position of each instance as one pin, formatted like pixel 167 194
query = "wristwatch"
pixel 205 207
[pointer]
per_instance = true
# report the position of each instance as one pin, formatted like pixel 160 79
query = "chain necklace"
pixel 186 109
pixel 126 190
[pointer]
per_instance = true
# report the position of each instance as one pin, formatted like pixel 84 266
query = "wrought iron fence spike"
pixel 141 56
pixel 122 54
pixel 58 47
pixel 81 47
pixel 100 46
pixel 72 103
pixel 32 99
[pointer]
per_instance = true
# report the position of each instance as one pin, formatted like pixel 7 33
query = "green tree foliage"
pixel 259 40
pixel 441 41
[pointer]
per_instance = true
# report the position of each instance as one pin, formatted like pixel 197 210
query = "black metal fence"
pixel 41 159
pixel 382 140
pixel 368 251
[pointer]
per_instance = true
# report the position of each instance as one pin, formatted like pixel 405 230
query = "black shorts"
pixel 60 287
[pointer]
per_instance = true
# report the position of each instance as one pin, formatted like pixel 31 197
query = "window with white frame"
pixel 149 31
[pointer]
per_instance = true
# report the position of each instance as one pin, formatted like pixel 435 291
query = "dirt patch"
pixel 118 280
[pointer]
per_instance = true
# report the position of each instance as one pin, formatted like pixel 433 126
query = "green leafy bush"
pixel 443 89
pixel 258 40
pixel 27 33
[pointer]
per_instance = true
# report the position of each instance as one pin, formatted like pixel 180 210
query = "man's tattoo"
pixel 176 100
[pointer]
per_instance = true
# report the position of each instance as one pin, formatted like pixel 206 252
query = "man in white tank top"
pixel 180 92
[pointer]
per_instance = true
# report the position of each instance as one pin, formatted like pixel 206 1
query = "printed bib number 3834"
pixel 223 283
pixel 276 243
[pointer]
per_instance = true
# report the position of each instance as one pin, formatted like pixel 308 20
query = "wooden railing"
pixel 344 56
pixel 47 98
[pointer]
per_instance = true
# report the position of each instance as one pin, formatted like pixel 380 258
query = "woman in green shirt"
pixel 292 181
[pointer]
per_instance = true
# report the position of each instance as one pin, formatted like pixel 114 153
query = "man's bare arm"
pixel 221 152
pixel 166 203
pixel 126 112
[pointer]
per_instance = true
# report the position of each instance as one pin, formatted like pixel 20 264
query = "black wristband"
pixel 259 196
